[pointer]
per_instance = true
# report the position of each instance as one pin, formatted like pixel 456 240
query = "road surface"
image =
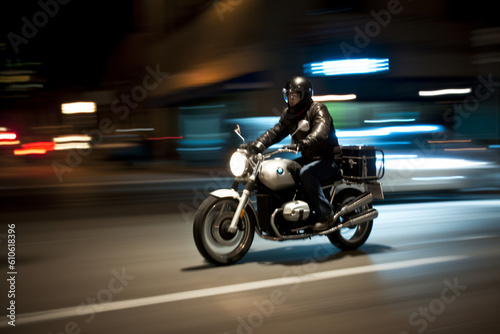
pixel 120 258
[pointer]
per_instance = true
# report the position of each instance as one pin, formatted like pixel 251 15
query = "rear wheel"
pixel 352 237
pixel 212 237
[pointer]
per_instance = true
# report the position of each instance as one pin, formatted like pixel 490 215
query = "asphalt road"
pixel 120 258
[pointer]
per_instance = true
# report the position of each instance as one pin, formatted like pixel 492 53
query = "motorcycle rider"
pixel 321 153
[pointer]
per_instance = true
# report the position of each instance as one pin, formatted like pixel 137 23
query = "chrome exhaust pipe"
pixel 363 199
pixel 363 217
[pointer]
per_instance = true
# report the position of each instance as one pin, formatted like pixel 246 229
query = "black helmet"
pixel 299 85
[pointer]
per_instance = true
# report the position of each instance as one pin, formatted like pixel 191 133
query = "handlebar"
pixel 284 150
pixel 263 157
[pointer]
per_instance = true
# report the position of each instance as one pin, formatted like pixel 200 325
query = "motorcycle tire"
pixel 352 237
pixel 210 230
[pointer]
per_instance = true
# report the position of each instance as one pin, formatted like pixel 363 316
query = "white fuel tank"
pixel 275 175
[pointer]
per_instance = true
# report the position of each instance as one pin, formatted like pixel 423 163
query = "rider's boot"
pixel 323 224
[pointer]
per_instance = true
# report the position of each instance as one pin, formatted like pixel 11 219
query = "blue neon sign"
pixel 347 66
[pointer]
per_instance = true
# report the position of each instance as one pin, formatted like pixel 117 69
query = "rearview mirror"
pixel 237 130
pixel 303 125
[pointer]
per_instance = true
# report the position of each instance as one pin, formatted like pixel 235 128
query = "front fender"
pixel 231 193
pixel 224 193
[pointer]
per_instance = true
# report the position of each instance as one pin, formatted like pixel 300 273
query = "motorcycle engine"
pixel 295 211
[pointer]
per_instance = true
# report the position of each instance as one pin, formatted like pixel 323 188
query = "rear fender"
pixel 375 188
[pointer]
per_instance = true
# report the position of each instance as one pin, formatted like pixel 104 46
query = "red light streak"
pixel 44 145
pixel 35 148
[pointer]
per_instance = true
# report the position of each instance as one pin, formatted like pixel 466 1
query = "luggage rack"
pixel 359 163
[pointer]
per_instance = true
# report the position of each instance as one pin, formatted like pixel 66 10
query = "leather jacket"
pixel 317 143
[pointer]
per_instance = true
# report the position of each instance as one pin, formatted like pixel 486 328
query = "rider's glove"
pixel 293 147
pixel 254 147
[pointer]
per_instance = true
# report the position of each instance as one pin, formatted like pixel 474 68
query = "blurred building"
pixel 189 66
pixel 243 51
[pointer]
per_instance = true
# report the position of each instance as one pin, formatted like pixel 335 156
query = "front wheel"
pixel 352 237
pixel 210 230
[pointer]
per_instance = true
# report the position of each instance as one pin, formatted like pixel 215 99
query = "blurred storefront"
pixel 190 66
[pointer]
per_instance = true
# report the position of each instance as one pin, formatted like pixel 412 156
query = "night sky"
pixel 73 40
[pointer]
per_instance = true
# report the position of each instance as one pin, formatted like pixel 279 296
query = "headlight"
pixel 238 163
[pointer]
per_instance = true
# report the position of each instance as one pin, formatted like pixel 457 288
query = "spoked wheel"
pixel 352 237
pixel 211 234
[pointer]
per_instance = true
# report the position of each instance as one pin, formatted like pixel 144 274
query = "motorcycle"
pixel 273 205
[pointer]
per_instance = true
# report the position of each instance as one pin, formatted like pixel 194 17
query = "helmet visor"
pixel 294 94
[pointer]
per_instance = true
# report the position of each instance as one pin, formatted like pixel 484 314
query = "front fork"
pixel 245 197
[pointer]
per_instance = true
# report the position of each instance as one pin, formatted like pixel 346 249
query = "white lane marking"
pixel 208 292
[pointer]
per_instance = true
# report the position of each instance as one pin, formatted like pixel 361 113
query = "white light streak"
pixel 327 98
pixel 394 120
pixel 451 91
pixel 71 146
pixel 438 178
pixel 72 138
pixel 388 130
pixel 78 107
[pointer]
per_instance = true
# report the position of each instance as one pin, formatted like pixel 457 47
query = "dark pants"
pixel 311 175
